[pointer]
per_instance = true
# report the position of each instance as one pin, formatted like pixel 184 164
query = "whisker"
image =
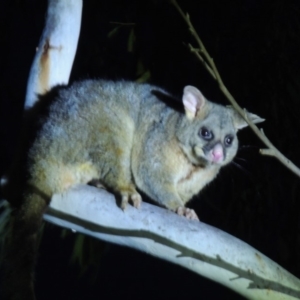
pixel 240 167
pixel 242 147
pixel 242 159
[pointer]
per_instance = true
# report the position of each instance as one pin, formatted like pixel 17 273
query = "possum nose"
pixel 217 153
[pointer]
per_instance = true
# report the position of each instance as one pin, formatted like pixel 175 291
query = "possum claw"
pixel 135 198
pixel 187 212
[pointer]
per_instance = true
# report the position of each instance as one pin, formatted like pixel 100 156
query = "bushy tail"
pixel 20 248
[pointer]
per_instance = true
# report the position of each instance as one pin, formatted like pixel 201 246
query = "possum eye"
pixel 206 134
pixel 228 140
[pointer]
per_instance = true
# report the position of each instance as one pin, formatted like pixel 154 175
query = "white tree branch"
pixel 191 244
pixel 57 47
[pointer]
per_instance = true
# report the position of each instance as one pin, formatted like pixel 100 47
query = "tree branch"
pixel 57 48
pixel 204 57
pixel 196 246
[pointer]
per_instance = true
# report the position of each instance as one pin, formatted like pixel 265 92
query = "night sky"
pixel 256 45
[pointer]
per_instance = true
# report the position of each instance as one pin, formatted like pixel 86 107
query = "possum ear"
pixel 240 123
pixel 193 101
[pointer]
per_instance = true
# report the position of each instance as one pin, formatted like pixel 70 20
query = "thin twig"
pixel 204 57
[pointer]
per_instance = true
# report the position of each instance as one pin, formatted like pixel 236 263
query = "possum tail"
pixel 20 247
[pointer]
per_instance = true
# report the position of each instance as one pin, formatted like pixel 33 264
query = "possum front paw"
pixel 131 196
pixel 187 212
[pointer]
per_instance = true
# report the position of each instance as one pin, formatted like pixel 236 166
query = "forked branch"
pixel 204 57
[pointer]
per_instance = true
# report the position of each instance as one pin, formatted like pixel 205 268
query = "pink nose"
pixel 217 153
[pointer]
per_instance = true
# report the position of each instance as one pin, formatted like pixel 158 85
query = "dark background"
pixel 256 46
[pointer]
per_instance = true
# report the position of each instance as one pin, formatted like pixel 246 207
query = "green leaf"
pixel 113 32
pixel 131 41
pixel 144 77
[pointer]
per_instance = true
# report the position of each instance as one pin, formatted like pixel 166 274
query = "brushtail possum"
pixel 128 137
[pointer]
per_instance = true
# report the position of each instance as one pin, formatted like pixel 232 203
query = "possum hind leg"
pixel 115 172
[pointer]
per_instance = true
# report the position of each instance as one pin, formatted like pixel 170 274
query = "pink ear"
pixel 193 101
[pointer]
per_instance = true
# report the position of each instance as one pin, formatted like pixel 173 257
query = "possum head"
pixel 208 132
